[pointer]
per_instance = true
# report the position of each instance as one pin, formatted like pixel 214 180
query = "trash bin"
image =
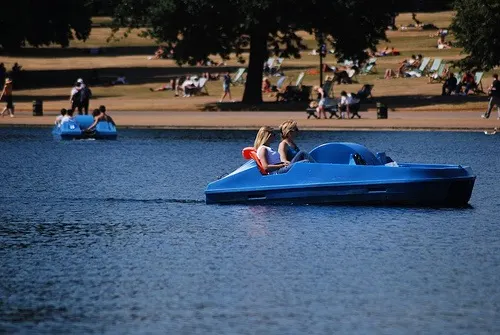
pixel 381 111
pixel 37 108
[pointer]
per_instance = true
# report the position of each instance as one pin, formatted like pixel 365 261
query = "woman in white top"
pixel 269 158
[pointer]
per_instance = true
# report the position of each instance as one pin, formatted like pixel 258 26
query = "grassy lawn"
pixel 50 71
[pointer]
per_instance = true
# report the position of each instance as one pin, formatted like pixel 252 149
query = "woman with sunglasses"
pixel 287 149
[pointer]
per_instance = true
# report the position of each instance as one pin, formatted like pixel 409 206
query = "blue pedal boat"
pixel 74 130
pixel 346 173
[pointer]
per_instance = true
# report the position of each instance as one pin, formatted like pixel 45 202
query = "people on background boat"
pixel 68 117
pixel 287 148
pixel 269 158
pixel 59 117
pixel 100 115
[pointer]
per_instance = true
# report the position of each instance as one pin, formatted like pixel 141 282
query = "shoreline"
pixel 252 120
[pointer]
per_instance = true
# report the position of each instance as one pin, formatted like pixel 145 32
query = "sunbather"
pixel 266 85
pixel 168 86
pixel 468 82
pixel 441 44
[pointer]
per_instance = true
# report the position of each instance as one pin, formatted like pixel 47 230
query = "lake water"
pixel 115 238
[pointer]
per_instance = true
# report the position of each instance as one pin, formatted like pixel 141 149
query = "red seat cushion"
pixel 251 153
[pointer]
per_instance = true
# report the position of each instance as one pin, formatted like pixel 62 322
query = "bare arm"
pixel 96 120
pixel 282 152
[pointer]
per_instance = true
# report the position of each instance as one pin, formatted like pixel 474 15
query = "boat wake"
pixel 130 200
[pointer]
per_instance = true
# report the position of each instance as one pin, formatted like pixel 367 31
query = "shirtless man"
pixel 100 115
pixel 7 93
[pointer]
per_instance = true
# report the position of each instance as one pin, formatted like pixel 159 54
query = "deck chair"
pixel 370 66
pixel 280 83
pixel 300 78
pixel 435 66
pixel 421 69
pixel 238 77
pixel 201 88
pixel 438 75
pixel 478 77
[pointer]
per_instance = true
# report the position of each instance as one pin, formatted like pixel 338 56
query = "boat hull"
pixel 337 178
pixel 75 130
pixel 441 193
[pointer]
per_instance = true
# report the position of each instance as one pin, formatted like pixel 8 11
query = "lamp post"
pixel 322 53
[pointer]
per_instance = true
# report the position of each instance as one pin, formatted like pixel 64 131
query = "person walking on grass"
pixel 494 93
pixel 226 87
pixel 7 95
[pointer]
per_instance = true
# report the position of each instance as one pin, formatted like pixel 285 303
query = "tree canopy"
pixel 43 22
pixel 197 29
pixel 476 27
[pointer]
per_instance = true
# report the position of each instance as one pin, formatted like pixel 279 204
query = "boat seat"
pixel 251 153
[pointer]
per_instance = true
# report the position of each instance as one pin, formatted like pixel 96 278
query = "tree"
pixel 476 27
pixel 197 29
pixel 43 22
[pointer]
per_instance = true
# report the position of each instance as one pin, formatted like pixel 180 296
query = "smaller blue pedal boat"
pixel 74 130
pixel 346 173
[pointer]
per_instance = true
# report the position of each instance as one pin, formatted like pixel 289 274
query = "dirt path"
pixel 253 120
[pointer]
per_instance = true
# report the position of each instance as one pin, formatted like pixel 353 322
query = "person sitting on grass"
pixel 266 85
pixel 450 84
pixel 468 82
pixel 441 44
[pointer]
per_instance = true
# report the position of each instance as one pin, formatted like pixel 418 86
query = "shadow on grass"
pixel 400 101
pixel 83 52
pixel 33 79
pixel 392 102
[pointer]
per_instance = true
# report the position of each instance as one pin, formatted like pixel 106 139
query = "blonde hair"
pixel 263 136
pixel 288 126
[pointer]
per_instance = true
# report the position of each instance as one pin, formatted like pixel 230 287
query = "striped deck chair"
pixel 435 66
pixel 370 66
pixel 238 77
pixel 478 77
pixel 421 69
pixel 201 88
pixel 276 68
pixel 300 78
pixel 438 76
pixel 280 83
